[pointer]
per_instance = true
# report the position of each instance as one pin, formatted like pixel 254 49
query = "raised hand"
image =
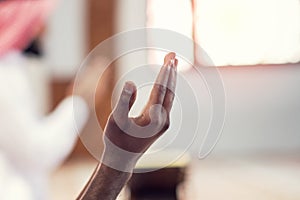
pixel 126 138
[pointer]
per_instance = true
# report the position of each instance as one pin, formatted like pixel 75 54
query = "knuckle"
pixel 156 121
pixel 161 88
pixel 161 121
pixel 166 125
pixel 162 125
pixel 111 119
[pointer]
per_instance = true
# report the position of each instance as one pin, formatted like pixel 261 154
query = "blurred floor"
pixel 259 178
pixel 67 182
pixel 256 178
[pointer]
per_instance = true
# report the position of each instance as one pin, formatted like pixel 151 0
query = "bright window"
pixel 235 32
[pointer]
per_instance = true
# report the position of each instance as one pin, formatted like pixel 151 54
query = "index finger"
pixel 159 89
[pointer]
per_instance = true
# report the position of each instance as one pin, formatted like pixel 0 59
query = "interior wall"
pixel 263 102
pixel 65 38
pixel 263 109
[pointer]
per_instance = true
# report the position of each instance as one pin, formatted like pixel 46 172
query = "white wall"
pixel 263 108
pixel 263 103
pixel 65 39
pixel 130 15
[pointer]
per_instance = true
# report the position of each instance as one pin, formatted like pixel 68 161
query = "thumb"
pixel 126 101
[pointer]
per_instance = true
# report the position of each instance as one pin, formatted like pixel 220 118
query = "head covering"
pixel 20 21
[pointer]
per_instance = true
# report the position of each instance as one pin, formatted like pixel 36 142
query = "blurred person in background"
pixel 31 145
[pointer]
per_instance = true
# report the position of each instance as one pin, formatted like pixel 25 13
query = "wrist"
pixel 119 159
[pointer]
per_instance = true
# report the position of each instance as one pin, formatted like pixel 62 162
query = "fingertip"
pixel 129 87
pixel 170 56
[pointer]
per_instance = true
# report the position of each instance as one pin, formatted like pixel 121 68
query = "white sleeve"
pixel 29 140
pixel 12 185
pixel 44 144
pixel 61 129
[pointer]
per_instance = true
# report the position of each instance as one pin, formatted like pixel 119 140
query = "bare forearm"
pixel 127 138
pixel 106 183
